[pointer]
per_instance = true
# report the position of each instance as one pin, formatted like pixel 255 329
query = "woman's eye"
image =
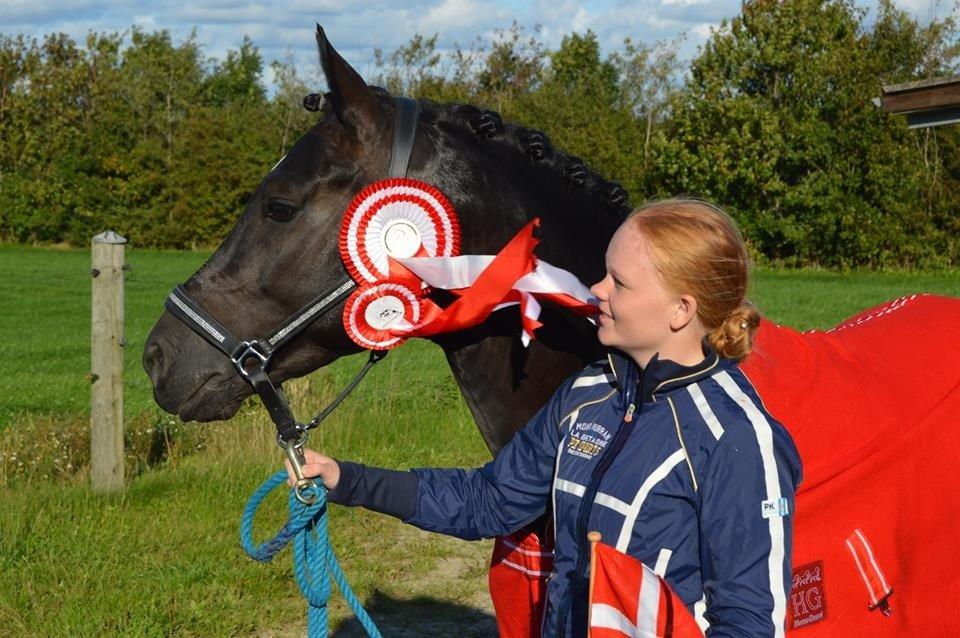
pixel 280 212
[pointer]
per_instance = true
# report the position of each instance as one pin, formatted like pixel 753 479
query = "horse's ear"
pixel 351 98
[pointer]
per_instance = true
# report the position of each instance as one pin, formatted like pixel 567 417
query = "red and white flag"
pixel 627 598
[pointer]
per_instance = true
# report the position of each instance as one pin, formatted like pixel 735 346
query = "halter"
pixel 252 358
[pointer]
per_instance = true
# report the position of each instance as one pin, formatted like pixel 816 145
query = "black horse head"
pixel 283 251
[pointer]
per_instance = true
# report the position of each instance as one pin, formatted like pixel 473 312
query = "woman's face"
pixel 635 309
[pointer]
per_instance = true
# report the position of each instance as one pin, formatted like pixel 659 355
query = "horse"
pixel 283 251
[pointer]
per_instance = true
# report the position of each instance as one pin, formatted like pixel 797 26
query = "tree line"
pixel 773 119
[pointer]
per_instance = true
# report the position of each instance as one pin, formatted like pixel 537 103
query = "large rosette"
pixel 396 218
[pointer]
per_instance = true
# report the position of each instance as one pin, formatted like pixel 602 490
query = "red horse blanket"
pixel 874 408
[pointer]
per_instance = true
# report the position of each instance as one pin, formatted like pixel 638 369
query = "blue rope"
pixel 312 554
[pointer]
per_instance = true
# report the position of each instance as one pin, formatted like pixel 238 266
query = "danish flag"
pixel 627 598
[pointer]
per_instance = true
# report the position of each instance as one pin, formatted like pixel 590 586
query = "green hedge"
pixel 772 119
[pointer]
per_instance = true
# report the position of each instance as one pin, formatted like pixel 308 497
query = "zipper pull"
pixel 628 417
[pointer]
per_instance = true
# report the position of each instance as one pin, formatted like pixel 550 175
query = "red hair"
pixel 698 250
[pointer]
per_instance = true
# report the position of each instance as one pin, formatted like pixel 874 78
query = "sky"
pixel 358 27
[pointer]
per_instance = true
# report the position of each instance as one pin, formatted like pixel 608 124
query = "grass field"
pixel 163 558
pixel 45 326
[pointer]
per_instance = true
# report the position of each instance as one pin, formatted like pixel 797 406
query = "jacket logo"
pixel 588 439
pixel 774 507
pixel 808 598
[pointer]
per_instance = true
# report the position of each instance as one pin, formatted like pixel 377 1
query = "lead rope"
pixel 313 555
pixel 308 523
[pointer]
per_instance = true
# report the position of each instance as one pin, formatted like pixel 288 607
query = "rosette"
pixel 374 309
pixel 396 218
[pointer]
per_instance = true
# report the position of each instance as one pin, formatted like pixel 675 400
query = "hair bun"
pixel 734 337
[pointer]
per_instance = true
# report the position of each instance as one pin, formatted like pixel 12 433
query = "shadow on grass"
pixel 420 617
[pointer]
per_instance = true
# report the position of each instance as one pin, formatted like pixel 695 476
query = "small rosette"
pixel 396 218
pixel 373 310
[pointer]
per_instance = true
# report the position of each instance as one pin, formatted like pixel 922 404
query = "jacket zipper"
pixel 586 505
pixel 570 415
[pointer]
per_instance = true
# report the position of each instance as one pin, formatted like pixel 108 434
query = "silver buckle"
pixel 248 349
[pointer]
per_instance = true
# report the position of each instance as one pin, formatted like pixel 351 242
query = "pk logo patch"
pixel 774 507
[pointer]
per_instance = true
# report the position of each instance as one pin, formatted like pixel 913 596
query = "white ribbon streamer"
pixel 454 273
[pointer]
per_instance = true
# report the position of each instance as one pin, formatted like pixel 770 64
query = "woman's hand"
pixel 317 465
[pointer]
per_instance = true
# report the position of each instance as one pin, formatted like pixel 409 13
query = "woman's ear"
pixel 685 312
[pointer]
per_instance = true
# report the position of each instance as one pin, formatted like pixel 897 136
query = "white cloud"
pixel 581 21
pixel 224 15
pixel 703 31
pixel 456 14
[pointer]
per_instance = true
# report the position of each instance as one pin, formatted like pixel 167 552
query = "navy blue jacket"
pixel 680 467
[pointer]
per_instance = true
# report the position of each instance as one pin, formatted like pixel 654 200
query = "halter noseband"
pixel 252 358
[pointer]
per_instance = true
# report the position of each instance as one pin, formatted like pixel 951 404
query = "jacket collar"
pixel 660 375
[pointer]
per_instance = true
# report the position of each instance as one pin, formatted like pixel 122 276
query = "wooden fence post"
pixel 106 363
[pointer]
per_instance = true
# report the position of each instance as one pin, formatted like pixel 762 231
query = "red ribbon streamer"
pixel 491 288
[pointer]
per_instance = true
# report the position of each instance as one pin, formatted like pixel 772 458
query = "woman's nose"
pixel 597 289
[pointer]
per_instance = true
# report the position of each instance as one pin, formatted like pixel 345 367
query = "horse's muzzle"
pixel 187 380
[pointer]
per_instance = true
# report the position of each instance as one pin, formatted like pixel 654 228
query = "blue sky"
pixel 358 27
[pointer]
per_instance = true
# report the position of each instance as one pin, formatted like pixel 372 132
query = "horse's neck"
pixel 503 383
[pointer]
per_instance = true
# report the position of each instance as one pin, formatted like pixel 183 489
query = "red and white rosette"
pixel 396 218
pixel 374 309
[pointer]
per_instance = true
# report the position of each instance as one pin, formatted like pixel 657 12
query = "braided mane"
pixel 487 125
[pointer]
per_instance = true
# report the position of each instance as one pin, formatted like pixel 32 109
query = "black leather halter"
pixel 252 357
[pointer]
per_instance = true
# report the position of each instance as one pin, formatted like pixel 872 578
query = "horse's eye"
pixel 280 211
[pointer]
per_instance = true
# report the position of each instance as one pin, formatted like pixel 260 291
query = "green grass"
pixel 808 299
pixel 45 326
pixel 163 558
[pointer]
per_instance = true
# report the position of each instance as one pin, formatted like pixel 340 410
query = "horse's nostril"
pixel 153 360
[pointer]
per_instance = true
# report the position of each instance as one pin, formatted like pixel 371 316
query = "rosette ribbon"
pixel 400 238
pixel 486 283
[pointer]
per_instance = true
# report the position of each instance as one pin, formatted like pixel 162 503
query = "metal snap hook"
pixel 304 485
pixel 305 492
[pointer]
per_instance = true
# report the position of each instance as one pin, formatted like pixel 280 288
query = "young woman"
pixel 664 447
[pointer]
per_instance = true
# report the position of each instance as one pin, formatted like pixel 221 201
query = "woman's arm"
pixel 503 495
pixel 391 492
pixel 746 528
pixel 493 500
